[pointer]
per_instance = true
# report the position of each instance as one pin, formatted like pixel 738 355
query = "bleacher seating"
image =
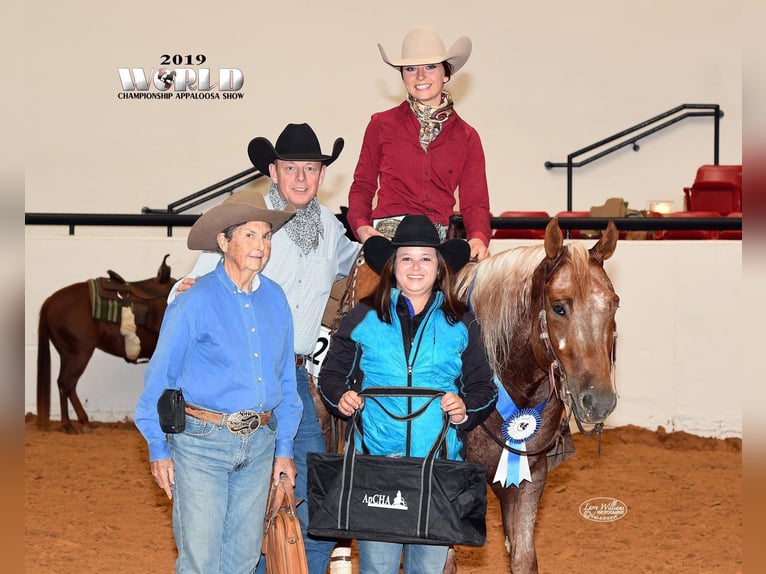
pixel 520 233
pixel 715 188
pixel 574 233
pixel 731 233
pixel 692 233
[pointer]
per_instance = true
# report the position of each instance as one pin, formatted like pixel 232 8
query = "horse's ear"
pixel 554 240
pixel 605 247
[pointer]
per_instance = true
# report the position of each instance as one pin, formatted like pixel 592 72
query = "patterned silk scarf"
pixel 431 118
pixel 305 228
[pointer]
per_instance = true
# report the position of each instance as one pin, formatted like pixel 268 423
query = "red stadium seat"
pixel 731 233
pixel 573 233
pixel 692 233
pixel 520 233
pixel 716 188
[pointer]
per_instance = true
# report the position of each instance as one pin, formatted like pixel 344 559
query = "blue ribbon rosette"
pixel 519 426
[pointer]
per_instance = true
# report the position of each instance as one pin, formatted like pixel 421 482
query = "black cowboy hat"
pixel 297 142
pixel 415 230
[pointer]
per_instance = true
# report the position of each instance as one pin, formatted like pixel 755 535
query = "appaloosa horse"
pixel 86 316
pixel 547 314
pixel 548 320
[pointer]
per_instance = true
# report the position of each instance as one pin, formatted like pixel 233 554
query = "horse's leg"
pixel 450 566
pixel 72 368
pixel 43 370
pixel 520 514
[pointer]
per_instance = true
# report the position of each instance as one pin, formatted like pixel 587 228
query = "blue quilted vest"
pixel 435 361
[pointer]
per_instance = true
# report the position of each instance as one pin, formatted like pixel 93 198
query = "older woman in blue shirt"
pixel 228 345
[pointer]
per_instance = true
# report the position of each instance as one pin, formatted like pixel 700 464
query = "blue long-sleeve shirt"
pixel 227 350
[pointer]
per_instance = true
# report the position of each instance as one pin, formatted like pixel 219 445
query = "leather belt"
pixel 240 422
pixel 300 360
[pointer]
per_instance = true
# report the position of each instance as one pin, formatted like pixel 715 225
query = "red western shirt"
pixel 411 181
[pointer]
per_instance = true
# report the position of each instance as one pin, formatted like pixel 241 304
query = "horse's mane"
pixel 499 292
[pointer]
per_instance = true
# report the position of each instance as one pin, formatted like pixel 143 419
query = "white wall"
pixel 678 363
pixel 545 78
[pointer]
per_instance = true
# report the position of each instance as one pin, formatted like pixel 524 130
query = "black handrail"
pixel 715 112
pixel 623 223
pixel 208 193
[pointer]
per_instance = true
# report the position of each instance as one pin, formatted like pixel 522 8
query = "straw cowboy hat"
pixel 241 207
pixel 297 142
pixel 415 230
pixel 425 46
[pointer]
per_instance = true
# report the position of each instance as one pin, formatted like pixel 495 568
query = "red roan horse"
pixel 548 319
pixel 66 320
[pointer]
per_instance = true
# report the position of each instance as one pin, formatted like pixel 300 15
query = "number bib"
pixel 317 357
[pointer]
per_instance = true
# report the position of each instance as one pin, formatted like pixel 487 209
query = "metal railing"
pixel 208 193
pixel 456 221
pixel 652 125
pixel 165 217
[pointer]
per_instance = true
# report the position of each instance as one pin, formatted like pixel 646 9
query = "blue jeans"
pixel 308 439
pixel 384 558
pixel 219 497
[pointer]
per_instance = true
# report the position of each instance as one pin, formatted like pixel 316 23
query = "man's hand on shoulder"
pixel 185 285
pixel 365 232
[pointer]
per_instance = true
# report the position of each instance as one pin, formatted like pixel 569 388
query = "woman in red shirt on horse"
pixel 415 156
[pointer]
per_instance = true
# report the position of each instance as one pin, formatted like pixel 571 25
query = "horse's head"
pixel 577 321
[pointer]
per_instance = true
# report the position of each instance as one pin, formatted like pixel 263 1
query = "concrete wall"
pixel 679 363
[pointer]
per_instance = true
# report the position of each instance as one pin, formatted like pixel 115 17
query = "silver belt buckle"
pixel 243 422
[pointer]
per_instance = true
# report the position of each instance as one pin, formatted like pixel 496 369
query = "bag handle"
pixel 409 392
pixel 373 393
pixel 278 493
pixel 428 462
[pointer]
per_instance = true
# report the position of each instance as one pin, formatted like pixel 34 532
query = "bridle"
pixel 557 376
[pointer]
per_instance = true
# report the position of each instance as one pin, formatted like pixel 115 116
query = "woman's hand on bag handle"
pixel 164 474
pixel 350 402
pixel 454 406
pixel 284 465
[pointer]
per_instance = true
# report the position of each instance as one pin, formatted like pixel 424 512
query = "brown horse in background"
pixel 67 320
pixel 548 319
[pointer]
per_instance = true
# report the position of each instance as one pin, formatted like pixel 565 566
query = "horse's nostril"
pixel 587 400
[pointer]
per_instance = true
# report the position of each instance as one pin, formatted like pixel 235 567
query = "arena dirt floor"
pixel 91 506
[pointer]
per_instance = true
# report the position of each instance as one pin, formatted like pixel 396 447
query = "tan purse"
pixel 282 539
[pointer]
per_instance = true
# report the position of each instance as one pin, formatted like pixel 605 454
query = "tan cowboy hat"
pixel 425 46
pixel 415 230
pixel 241 207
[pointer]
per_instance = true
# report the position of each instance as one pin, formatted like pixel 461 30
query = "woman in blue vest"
pixel 412 331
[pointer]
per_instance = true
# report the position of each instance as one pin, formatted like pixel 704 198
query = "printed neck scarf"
pixel 431 118
pixel 305 228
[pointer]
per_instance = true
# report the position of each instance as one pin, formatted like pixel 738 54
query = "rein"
pixel 348 298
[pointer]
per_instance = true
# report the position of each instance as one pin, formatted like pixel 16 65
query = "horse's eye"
pixel 558 308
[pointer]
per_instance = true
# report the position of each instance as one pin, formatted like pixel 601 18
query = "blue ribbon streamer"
pixel 507 410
